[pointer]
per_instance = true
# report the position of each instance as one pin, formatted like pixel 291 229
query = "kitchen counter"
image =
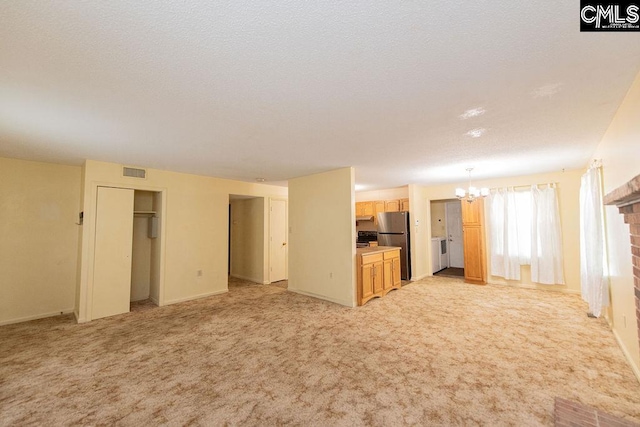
pixel 375 249
pixel 378 271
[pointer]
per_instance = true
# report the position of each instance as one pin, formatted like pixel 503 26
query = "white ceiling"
pixel 246 89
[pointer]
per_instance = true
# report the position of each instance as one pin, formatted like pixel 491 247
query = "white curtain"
pixel 546 237
pixel 505 254
pixel 592 275
pixel 525 229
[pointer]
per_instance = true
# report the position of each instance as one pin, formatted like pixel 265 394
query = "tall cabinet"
pixel 475 261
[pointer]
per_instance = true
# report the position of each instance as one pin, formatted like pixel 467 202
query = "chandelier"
pixel 472 193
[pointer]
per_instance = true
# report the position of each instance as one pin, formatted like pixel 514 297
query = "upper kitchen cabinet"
pixel 378 207
pixel 364 209
pixel 392 206
pixel 404 205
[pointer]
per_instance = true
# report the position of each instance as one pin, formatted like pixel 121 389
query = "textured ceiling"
pixel 247 89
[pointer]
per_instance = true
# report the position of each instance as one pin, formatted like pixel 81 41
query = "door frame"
pixel 286 236
pixel 446 226
pixel 86 251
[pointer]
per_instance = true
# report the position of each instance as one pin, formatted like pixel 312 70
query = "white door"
pixel 278 240
pixel 112 257
pixel 454 234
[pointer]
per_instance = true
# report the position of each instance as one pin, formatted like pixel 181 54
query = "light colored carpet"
pixel 436 352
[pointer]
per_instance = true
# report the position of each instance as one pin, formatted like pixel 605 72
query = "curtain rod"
pixel 554 184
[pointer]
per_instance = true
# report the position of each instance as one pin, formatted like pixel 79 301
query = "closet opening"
pixel 145 253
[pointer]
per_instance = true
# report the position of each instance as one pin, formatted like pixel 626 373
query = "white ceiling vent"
pixel 134 173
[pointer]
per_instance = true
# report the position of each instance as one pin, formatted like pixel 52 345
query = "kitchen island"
pixel 378 271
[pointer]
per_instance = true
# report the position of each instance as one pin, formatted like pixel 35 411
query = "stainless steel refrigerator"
pixel 393 230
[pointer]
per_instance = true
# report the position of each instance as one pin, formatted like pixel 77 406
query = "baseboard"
pixel 250 279
pixel 37 316
pixel 322 297
pixel 424 276
pixel 535 288
pixel 627 355
pixel 155 301
pixel 190 298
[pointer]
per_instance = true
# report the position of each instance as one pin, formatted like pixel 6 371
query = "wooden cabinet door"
pixel 388 274
pixel 404 205
pixel 472 212
pixel 378 207
pixel 473 254
pixel 359 208
pixel 395 272
pixel 378 278
pixel 367 282
pixel 367 208
pixel 392 206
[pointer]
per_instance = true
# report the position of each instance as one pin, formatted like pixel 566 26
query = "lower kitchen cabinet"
pixel 378 272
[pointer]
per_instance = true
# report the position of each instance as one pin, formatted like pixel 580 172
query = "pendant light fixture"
pixel 472 193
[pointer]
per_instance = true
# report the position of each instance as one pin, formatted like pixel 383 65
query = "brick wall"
pixel 632 217
pixel 627 198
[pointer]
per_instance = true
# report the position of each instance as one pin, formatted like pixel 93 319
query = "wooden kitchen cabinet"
pixel 475 261
pixel 404 205
pixel 391 268
pixel 392 206
pixel 378 273
pixel 364 209
pixel 378 207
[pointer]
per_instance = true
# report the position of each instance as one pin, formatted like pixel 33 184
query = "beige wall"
pixel 322 236
pixel 620 154
pixel 193 231
pixel 438 219
pixel 386 194
pixel 248 239
pixel 568 184
pixel 39 206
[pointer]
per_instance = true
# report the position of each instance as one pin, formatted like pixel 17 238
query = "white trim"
pixel 190 298
pixel 155 301
pixel 322 297
pixel 424 276
pixel 627 355
pixel 38 316
pixel 536 288
pixel 250 279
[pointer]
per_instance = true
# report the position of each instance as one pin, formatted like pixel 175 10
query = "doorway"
pixel 447 248
pixel 278 240
pixel 247 240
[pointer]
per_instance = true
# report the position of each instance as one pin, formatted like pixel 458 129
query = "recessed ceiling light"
pixel 260 180
pixel 473 112
pixel 476 133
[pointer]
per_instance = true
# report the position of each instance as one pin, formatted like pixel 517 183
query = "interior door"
pixel 278 240
pixel 454 234
pixel 112 255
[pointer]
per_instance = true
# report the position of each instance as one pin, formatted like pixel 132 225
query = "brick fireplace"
pixel 627 199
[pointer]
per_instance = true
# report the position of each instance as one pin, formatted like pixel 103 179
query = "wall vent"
pixel 134 173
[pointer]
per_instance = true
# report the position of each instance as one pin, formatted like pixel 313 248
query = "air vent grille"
pixel 134 173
